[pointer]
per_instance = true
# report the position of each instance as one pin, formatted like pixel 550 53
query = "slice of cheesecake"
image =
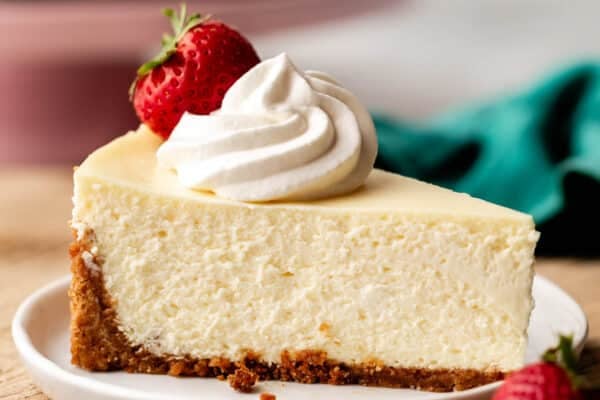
pixel 400 283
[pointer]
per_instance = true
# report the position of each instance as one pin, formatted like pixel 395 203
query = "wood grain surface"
pixel 35 205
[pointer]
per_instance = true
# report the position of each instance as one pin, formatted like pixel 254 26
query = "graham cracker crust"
pixel 97 344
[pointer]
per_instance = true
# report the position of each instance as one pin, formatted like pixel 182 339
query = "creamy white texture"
pixel 402 271
pixel 280 134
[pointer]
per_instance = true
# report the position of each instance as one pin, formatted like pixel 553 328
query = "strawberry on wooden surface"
pixel 557 377
pixel 541 381
pixel 192 72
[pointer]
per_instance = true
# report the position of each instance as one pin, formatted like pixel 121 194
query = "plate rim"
pixel 33 358
pixel 30 355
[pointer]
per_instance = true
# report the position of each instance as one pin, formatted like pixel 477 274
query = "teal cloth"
pixel 537 151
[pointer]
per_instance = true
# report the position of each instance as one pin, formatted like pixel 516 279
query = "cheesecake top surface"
pixel 131 160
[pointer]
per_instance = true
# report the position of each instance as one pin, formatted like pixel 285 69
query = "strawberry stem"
pixel 564 356
pixel 181 24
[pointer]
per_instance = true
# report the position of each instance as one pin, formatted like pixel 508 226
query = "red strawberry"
pixel 192 72
pixel 541 381
pixel 552 379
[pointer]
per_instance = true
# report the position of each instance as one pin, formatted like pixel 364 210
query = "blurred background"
pixel 436 75
pixel 67 64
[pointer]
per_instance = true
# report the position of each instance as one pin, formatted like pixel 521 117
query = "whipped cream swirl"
pixel 280 134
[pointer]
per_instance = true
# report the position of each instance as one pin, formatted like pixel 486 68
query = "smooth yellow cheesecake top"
pixel 131 160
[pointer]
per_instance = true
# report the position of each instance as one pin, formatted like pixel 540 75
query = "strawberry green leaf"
pixel 564 356
pixel 166 38
pixel 181 24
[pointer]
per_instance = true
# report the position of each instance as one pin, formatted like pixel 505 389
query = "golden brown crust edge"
pixel 97 344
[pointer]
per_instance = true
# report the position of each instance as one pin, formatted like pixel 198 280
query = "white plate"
pixel 40 331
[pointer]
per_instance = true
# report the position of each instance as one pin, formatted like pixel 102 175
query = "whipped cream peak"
pixel 280 134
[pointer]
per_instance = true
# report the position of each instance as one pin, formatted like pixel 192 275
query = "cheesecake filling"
pixel 280 134
pixel 403 290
